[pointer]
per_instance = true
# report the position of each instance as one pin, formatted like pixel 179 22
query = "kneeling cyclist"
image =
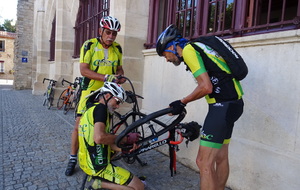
pixel 96 143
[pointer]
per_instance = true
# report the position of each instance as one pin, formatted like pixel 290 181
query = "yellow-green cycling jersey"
pixel 101 60
pixel 225 87
pixel 93 157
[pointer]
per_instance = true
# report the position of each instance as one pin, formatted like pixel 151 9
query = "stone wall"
pixel 24 63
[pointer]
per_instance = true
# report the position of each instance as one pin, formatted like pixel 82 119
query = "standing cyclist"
pixel 100 61
pixel 224 97
pixel 96 143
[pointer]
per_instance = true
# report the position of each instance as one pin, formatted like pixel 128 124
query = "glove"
pixel 110 78
pixel 132 138
pixel 177 106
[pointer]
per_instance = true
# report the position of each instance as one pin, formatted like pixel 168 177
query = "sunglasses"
pixel 109 32
pixel 117 100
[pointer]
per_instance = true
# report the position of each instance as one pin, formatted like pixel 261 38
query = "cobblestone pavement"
pixel 35 144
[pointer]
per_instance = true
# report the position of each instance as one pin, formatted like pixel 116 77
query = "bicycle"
pixel 152 136
pixel 49 94
pixel 68 98
pixel 77 94
pixel 156 129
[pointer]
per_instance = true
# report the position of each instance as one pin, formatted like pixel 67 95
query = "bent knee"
pixel 136 184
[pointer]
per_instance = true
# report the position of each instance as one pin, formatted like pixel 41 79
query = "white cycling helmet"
pixel 110 23
pixel 115 89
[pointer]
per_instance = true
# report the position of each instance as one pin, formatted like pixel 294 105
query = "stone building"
pixel 7 55
pixel 265 147
pixel 24 63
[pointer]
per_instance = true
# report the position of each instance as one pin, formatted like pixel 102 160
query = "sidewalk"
pixel 6 82
pixel 35 144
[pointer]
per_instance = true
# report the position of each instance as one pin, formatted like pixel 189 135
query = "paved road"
pixel 35 145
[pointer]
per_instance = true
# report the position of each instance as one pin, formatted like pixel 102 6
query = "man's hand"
pixel 130 148
pixel 110 78
pixel 120 79
pixel 177 106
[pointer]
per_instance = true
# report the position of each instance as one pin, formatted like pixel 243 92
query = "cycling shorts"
pixel 83 102
pixel 114 174
pixel 218 125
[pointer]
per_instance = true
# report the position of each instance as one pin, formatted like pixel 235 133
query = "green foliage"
pixel 7 26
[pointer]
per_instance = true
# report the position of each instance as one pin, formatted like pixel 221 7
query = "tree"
pixel 7 26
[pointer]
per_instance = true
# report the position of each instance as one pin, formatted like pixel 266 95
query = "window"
pixel 52 40
pixel 271 15
pixel 2 45
pixel 227 18
pixel 1 66
pixel 87 22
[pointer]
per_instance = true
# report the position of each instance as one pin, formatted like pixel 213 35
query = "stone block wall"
pixel 24 62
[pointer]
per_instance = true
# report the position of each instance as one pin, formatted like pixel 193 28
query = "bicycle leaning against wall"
pixel 155 129
pixel 49 94
pixel 69 97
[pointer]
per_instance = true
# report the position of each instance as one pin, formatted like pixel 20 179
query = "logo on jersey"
pixel 104 62
pixel 97 49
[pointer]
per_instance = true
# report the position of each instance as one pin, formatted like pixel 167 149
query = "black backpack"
pixel 234 61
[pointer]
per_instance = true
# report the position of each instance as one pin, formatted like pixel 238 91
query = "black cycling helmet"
pixel 169 34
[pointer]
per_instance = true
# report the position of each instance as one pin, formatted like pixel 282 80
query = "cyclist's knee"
pixel 137 184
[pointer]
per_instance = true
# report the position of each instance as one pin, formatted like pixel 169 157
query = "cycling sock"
pixel 73 157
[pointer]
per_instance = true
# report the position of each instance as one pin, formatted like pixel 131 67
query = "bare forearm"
pixel 203 88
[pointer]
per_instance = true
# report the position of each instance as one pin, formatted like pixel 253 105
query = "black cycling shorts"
pixel 219 122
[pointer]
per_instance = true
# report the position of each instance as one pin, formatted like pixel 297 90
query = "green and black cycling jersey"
pixel 225 87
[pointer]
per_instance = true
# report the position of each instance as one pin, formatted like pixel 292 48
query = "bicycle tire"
pixel 78 95
pixel 120 122
pixel 62 98
pixel 45 99
pixel 152 127
pixel 50 99
pixel 117 123
pixel 69 104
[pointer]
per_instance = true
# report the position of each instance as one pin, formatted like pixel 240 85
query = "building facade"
pixel 7 40
pixel 265 147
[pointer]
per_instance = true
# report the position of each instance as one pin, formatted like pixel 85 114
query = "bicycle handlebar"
pixel 180 140
pixel 129 92
pixel 62 82
pixel 51 80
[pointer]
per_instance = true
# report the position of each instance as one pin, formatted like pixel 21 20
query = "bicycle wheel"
pixel 45 98
pixel 120 122
pixel 50 99
pixel 153 127
pixel 77 99
pixel 62 98
pixel 69 104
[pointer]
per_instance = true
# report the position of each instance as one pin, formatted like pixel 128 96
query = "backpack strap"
pixel 210 66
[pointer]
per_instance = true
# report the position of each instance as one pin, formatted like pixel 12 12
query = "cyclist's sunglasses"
pixel 117 100
pixel 109 32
